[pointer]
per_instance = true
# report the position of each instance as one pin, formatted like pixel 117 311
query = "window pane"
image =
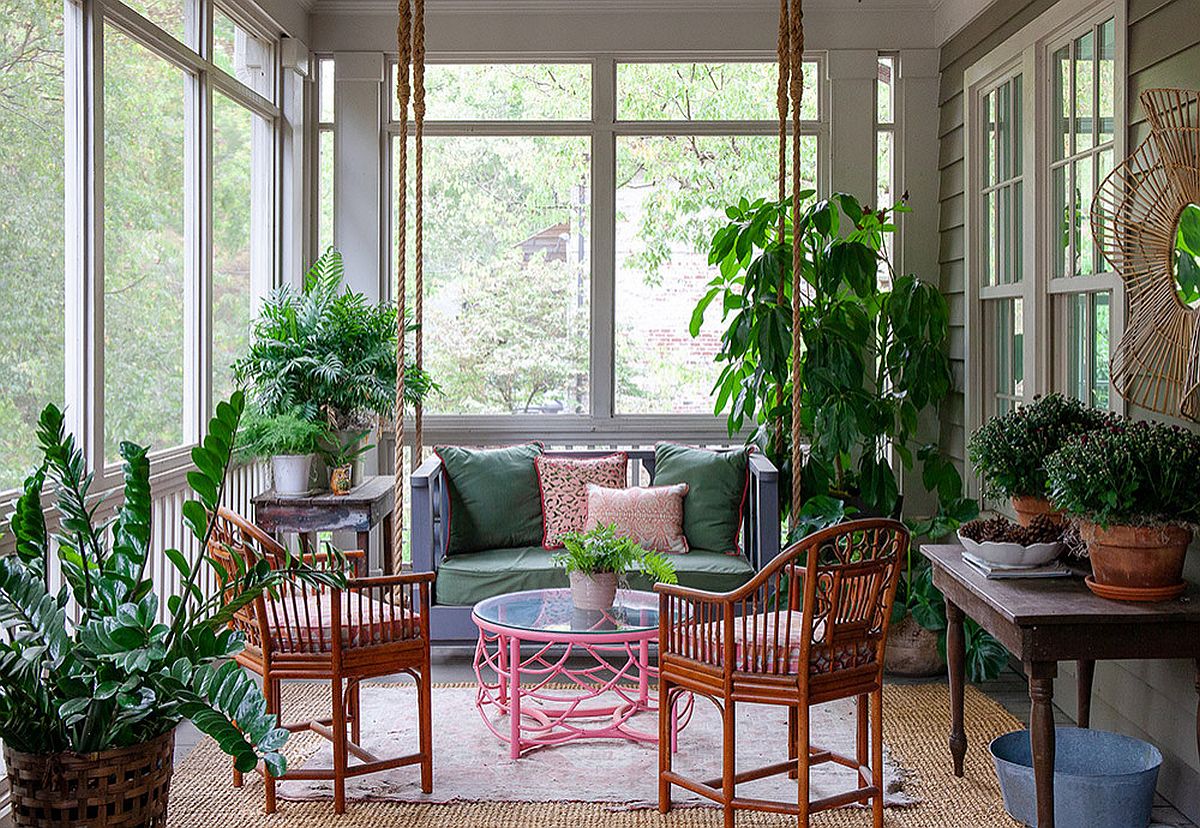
pixel 241 54
pixel 1106 56
pixel 172 16
pixel 1085 69
pixel 31 232
pixel 325 75
pixel 991 241
pixel 507 273
pixel 1016 232
pixel 1088 332
pixel 325 190
pixel 1004 132
pixel 707 91
pixel 505 92
pixel 671 196
pixel 144 246
pixel 1078 350
pixel 989 139
pixel 1060 67
pixel 1060 216
pixel 1084 253
pixel 1101 333
pixel 884 90
pixel 241 231
pixel 1008 357
pixel 1017 113
pixel 885 195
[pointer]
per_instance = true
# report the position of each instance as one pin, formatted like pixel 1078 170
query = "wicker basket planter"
pixel 123 788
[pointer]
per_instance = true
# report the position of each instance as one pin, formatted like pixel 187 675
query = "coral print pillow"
pixel 564 482
pixel 653 516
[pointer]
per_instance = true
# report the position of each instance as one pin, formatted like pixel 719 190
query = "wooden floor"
pixel 1010 690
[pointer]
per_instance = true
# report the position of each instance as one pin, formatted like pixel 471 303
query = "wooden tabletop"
pixel 1027 602
pixel 369 492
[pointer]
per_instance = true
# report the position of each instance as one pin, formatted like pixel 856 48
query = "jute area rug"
pixel 915 718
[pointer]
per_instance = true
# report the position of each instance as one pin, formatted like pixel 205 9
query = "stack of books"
pixel 1054 569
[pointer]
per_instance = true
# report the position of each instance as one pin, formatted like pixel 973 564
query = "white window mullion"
pixel 602 357
pixel 197 378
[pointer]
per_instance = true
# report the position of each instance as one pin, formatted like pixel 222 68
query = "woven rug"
pixel 472 765
pixel 915 723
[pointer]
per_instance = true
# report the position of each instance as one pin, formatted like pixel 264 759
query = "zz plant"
pixel 92 666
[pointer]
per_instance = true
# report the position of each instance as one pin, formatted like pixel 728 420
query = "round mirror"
pixel 1187 256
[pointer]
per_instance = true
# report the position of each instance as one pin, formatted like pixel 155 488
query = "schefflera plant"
pixel 106 672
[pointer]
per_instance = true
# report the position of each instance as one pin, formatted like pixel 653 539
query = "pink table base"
pixel 601 698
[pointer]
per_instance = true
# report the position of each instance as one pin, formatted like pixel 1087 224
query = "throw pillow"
pixel 651 516
pixel 718 483
pixel 564 482
pixel 494 498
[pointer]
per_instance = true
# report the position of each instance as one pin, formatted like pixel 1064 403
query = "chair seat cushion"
pixel 758 649
pixel 465 580
pixel 307 626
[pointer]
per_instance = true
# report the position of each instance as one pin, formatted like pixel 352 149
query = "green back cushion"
pixel 712 510
pixel 494 497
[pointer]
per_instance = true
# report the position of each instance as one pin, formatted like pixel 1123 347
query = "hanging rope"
pixel 796 87
pixel 418 58
pixel 404 34
pixel 781 105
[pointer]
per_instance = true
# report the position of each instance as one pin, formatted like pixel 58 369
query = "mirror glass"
pixel 1187 256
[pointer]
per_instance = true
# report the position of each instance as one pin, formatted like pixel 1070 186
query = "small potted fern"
pixel 291 441
pixel 597 561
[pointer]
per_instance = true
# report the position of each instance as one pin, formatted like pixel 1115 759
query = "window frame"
pixel 1045 324
pixel 602 422
pixel 84 25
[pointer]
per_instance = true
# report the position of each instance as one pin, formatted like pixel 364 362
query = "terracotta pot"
pixel 593 592
pixel 912 650
pixel 1028 507
pixel 110 789
pixel 1136 563
pixel 341 479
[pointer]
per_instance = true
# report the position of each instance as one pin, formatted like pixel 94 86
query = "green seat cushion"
pixel 712 510
pixel 494 497
pixel 468 579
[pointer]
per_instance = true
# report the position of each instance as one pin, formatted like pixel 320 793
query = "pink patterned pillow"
pixel 651 516
pixel 564 482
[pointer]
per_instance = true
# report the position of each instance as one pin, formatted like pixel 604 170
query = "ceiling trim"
pixel 610 6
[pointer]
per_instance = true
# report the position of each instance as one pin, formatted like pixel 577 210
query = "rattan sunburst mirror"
pixel 1146 221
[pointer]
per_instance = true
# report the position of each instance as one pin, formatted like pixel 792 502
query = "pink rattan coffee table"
pixel 601 658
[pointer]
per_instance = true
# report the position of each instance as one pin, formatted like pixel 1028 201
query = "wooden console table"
pixel 368 504
pixel 1044 622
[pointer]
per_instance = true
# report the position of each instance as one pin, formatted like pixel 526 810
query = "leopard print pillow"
pixel 564 482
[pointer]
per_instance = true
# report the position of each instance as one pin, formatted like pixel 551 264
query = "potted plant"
pixel 598 559
pixel 1132 488
pixel 329 354
pixel 1010 451
pixel 95 676
pixel 339 459
pixel 290 440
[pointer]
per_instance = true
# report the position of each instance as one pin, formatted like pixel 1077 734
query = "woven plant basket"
pixel 123 788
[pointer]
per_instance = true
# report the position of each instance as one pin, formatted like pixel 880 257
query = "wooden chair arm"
pixel 392 580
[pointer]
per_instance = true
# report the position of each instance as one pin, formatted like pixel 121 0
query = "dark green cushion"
pixel 468 579
pixel 712 510
pixel 494 497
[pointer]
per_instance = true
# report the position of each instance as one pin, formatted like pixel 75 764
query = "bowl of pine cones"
pixel 1006 544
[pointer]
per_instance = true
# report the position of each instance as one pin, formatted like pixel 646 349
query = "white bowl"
pixel 1012 555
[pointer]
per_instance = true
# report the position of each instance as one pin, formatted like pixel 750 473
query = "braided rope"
pixel 781 105
pixel 403 41
pixel 796 50
pixel 418 59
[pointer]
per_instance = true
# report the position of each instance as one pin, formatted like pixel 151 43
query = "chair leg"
pixel 877 755
pixel 237 778
pixel 802 763
pixel 792 745
pixel 666 735
pixel 340 756
pixel 728 759
pixel 425 727
pixel 355 703
pixel 862 740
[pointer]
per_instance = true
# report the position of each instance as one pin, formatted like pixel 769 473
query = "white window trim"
pixel 1028 52
pixel 602 424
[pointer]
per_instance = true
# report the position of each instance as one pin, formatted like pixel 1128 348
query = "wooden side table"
pixel 368 504
pixel 1044 622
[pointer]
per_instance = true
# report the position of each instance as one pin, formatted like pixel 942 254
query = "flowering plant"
pixel 1009 451
pixel 1128 473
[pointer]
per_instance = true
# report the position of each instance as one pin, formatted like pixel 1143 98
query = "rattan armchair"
pixel 370 628
pixel 808 629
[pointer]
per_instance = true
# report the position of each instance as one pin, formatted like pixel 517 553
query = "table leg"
pixel 362 565
pixel 956 661
pixel 644 673
pixel 1041 729
pixel 514 694
pixel 386 563
pixel 1086 670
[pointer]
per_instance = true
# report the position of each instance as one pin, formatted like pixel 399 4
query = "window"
pixel 146 236
pixel 325 159
pixel 31 235
pixel 673 185
pixel 242 54
pixel 507 264
pixel 885 152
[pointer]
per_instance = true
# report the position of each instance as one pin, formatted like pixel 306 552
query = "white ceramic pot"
pixel 291 472
pixel 593 592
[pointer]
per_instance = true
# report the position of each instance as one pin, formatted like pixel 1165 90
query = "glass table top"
pixel 551 611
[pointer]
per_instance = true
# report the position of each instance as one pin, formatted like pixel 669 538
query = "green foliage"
pixel 1010 451
pixel 327 353
pixel 337 452
pixel 1128 472
pixel 1187 256
pixel 268 435
pixel 123 672
pixel 603 550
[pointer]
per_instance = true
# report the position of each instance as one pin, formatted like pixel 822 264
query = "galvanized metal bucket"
pixel 1101 780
